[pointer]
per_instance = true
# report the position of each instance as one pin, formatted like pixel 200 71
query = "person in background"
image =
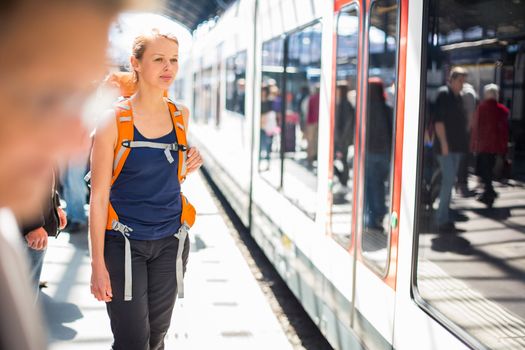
pixel 312 127
pixel 74 190
pixel 490 136
pixel 44 44
pixel 379 147
pixel 451 142
pixel 470 101
pixel 47 223
pixel 302 106
pixel 343 132
pixel 268 126
pixel 240 96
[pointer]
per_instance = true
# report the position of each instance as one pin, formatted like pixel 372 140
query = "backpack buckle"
pixel 126 143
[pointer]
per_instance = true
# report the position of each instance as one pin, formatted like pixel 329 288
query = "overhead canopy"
pixel 193 12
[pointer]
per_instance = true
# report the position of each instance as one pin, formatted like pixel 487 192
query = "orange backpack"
pixel 124 145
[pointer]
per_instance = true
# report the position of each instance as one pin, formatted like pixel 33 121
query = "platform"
pixel 224 307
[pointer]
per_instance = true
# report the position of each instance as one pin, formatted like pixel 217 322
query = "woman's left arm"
pixel 194 161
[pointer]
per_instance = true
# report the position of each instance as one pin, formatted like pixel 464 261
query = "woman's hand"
pixel 194 161
pixel 100 282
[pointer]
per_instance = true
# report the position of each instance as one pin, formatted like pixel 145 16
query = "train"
pixel 315 120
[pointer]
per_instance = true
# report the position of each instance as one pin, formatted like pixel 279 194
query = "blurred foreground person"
pixel 51 52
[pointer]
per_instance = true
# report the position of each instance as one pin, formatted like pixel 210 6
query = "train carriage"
pixel 315 119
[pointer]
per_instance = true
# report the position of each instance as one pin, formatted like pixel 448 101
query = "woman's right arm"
pixel 101 173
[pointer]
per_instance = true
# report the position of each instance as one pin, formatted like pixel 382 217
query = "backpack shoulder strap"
pixel 180 131
pixel 124 120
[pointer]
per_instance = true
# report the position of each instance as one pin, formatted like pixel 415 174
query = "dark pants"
pixel 142 323
pixel 377 172
pixel 486 162
pixel 462 179
pixel 343 175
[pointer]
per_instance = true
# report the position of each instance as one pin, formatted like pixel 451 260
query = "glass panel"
pixel 206 95
pixel 471 249
pixel 235 82
pixel 301 122
pixel 197 97
pixel 344 129
pixel 271 104
pixel 380 121
pixel 178 89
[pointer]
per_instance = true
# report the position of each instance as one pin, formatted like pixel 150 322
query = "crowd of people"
pixel 464 129
pixel 53 52
pixel 301 122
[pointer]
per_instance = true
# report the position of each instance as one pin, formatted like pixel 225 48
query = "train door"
pixel 462 249
pixel 367 83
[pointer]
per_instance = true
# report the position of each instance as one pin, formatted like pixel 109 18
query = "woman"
pixel 490 136
pixel 136 206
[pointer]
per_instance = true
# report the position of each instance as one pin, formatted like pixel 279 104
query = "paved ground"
pixel 476 277
pixel 224 307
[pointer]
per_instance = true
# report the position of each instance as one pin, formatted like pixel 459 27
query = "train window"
pixel 380 121
pixel 289 126
pixel 271 105
pixel 206 94
pixel 301 120
pixel 344 126
pixel 470 261
pixel 197 97
pixel 235 82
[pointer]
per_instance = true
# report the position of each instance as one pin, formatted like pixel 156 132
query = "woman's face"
pixel 159 64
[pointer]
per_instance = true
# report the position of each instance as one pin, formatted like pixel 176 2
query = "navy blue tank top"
pixel 146 194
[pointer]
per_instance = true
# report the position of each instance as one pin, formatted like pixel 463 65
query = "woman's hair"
pixel 491 91
pixel 141 41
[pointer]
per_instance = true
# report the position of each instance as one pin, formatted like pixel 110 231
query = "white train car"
pixel 315 119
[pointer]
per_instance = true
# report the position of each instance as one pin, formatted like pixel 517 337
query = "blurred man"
pixel 450 122
pixel 470 102
pixel 51 53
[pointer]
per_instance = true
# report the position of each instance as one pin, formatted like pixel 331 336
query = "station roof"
pixel 193 12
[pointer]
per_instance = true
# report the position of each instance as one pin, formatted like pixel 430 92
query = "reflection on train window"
pixel 207 84
pixel 344 128
pixel 197 113
pixel 270 131
pixel 471 209
pixel 288 157
pixel 380 121
pixel 301 121
pixel 236 82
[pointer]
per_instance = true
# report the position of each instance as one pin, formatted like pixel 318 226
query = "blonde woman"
pixel 136 209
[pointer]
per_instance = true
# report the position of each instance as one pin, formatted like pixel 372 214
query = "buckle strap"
pixel 128 276
pixel 181 235
pixel 120 227
pixel 156 145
